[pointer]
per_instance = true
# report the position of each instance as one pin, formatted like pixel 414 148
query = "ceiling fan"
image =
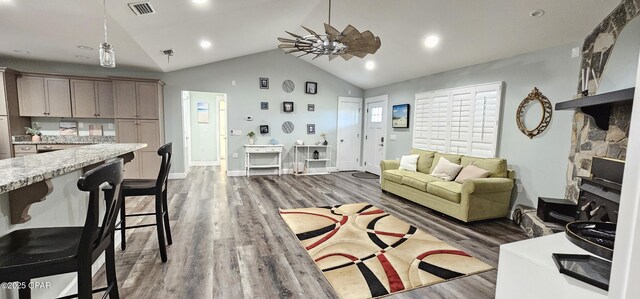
pixel 346 44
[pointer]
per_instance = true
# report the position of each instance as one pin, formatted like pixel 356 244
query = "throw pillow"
pixel 471 172
pixel 446 170
pixel 409 163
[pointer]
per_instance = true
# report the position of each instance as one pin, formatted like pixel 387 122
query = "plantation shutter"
pixel 462 120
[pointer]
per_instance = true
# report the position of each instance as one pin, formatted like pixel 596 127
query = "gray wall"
pixel 243 99
pixel 540 163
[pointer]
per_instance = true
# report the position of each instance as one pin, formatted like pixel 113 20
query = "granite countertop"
pixel 19 172
pixel 64 140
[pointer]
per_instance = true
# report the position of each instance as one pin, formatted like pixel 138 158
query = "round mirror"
pixel 288 86
pixel 534 114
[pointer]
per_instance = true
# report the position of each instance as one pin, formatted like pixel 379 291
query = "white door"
pixel 349 129
pixel 375 133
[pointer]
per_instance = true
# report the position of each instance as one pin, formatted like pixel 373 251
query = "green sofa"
pixel 475 199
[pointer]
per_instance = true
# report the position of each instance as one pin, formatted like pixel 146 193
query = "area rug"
pixel 366 252
pixel 365 175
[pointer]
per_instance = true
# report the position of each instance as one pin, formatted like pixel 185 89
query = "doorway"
pixel 349 144
pixel 204 127
pixel 375 132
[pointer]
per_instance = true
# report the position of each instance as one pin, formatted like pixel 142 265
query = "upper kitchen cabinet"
pixel 10 122
pixel 92 99
pixel 137 99
pixel 44 96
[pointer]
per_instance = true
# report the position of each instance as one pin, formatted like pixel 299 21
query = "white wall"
pixel 243 99
pixel 540 163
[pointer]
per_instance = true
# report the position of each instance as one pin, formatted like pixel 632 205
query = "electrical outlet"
pixel 575 52
pixel 110 126
pixel 233 82
pixel 235 155
pixel 80 125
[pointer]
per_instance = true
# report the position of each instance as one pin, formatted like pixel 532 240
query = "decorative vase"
pixel 251 141
pixel 36 138
pixel 316 155
pixel 325 142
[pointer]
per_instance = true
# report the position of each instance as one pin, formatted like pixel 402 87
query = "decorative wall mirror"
pixel 287 127
pixel 534 112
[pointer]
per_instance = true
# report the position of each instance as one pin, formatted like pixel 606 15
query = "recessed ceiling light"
pixel 82 57
pixel 6 1
pixel 205 44
pixel 22 51
pixel 536 13
pixel 199 1
pixel 85 48
pixel 431 41
pixel 370 65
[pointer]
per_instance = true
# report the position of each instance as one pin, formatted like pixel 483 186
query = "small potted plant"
pixel 324 136
pixel 251 136
pixel 35 133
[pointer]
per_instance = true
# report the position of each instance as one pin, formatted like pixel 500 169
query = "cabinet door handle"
pixel 25 148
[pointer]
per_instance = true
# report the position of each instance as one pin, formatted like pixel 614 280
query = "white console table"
pixel 526 270
pixel 266 149
pixel 302 155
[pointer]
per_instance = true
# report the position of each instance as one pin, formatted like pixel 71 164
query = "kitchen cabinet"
pixel 22 150
pixel 136 99
pixel 5 139
pixel 44 96
pixel 146 162
pixel 91 99
pixel 10 121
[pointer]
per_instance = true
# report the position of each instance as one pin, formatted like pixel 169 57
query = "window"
pixel 462 120
pixel 376 114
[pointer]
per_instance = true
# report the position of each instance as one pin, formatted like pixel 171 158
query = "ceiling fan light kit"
pixel 346 44
pixel 107 55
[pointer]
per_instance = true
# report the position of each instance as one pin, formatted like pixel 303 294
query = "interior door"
pixel 349 130
pixel 375 133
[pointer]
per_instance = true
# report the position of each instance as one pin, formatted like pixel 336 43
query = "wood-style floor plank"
pixel 229 240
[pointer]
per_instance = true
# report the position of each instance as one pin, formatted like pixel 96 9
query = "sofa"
pixel 475 199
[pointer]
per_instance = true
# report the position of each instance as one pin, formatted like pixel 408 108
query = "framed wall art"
pixel 287 106
pixel 311 129
pixel 311 88
pixel 400 116
pixel 264 83
pixel 311 107
pixel 264 129
pixel 264 105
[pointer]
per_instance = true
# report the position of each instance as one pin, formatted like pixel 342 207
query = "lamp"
pixel 107 55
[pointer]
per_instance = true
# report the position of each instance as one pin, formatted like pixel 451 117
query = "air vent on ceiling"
pixel 142 8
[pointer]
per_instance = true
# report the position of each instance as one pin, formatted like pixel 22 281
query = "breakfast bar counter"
pixel 27 180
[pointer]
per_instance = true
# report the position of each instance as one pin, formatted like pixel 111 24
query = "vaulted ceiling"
pixel 471 32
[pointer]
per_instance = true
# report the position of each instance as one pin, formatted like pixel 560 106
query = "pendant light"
pixel 107 55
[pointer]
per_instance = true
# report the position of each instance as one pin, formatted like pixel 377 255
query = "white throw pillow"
pixel 471 172
pixel 446 170
pixel 409 163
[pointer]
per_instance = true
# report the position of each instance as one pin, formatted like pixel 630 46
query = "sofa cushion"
pixel 419 180
pixel 496 166
pixel 471 172
pixel 425 160
pixel 446 170
pixel 394 175
pixel 450 191
pixel 409 162
pixel 451 157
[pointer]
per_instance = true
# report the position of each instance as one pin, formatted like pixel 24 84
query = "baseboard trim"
pixel 177 175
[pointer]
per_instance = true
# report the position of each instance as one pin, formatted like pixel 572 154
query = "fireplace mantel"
pixel 599 106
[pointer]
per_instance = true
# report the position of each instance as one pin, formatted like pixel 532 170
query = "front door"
pixel 349 130
pixel 375 133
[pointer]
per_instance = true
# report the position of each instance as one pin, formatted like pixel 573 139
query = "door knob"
pixel 341 140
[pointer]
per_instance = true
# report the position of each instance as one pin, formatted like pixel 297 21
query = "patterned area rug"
pixel 365 252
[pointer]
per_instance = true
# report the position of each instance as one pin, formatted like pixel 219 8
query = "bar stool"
pixel 38 252
pixel 150 187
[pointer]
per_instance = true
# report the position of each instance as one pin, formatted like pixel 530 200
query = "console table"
pixel 305 158
pixel 526 270
pixel 262 150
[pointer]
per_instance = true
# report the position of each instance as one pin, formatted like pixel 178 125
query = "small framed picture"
pixel 311 107
pixel 287 106
pixel 311 129
pixel 311 88
pixel 264 129
pixel 264 105
pixel 264 83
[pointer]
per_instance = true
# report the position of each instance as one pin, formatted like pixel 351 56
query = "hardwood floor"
pixel 230 242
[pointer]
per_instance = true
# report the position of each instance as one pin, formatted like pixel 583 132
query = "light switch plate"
pixel 575 52
pixel 236 132
pixel 235 155
pixel 233 82
pixel 80 125
pixel 393 137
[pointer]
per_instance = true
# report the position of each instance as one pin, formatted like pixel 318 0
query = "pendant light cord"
pixel 104 14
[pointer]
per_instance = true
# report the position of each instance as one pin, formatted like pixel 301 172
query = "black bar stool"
pixel 38 252
pixel 148 187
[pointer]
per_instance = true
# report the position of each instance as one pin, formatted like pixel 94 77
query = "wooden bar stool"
pixel 148 187
pixel 38 252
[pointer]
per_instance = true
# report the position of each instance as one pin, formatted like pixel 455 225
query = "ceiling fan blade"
pixel 287 40
pixel 312 32
pixel 332 33
pixel 351 33
pixel 346 56
pixel 284 46
pixel 292 51
pixel 306 53
pixel 293 34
